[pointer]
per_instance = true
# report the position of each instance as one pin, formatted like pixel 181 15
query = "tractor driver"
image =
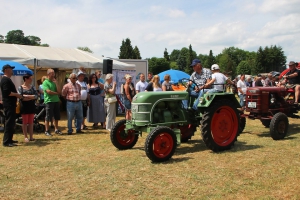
pixel 200 76
pixel 292 79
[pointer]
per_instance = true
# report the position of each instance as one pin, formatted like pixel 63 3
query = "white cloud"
pixel 175 13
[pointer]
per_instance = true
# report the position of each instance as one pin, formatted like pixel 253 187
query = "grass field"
pixel 88 166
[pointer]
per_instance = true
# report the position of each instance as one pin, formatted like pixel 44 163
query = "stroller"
pixel 37 127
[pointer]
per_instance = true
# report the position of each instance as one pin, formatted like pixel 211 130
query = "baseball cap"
pixel 6 67
pixel 79 73
pixel 215 67
pixel 194 62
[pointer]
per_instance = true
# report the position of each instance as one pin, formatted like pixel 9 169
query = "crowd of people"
pixel 93 99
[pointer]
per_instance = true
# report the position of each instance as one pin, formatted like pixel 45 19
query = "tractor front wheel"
pixel 220 125
pixel 160 144
pixel 279 126
pixel 122 139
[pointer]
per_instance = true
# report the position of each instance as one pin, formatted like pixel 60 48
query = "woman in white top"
pixel 154 85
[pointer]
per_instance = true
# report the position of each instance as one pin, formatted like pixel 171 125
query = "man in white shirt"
pixel 84 96
pixel 142 84
pixel 242 88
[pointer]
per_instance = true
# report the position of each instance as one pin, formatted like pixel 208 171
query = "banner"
pixel 119 78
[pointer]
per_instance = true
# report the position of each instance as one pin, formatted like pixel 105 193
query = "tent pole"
pixel 34 68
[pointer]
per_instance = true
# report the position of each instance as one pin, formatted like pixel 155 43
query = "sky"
pixel 155 25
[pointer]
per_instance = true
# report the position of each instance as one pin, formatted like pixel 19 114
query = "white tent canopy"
pixel 50 57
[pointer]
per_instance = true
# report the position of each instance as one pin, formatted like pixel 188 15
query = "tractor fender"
pixel 208 99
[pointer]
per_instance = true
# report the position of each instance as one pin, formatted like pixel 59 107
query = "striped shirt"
pixel 71 91
pixel 201 78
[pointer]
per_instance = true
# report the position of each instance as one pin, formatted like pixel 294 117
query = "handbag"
pixel 112 99
pixel 18 107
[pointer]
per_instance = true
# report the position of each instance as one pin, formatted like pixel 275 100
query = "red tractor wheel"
pixel 220 125
pixel 160 144
pixel 122 139
pixel 279 126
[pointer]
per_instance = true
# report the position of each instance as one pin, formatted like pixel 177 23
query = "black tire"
pixel 160 144
pixel 279 126
pixel 220 125
pixel 242 124
pixel 187 131
pixel 266 122
pixel 121 139
pixel 39 128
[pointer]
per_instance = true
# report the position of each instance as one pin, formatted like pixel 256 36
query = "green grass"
pixel 88 166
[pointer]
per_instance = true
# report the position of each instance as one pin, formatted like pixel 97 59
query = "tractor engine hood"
pixel 152 97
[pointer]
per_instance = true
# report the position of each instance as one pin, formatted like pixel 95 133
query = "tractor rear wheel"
pixel 266 122
pixel 122 139
pixel 220 125
pixel 279 126
pixel 160 144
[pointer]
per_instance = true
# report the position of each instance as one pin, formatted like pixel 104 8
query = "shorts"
pixel 27 118
pixel 127 104
pixel 52 110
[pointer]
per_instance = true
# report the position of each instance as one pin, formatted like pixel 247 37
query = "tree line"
pixel 231 60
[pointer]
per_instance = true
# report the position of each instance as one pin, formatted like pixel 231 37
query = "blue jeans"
pixel 74 109
pixel 242 98
pixel 198 95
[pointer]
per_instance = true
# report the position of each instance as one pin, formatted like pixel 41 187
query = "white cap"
pixel 215 67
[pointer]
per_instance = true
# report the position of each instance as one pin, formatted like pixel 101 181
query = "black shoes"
pixel 9 145
pixel 14 141
pixel 80 131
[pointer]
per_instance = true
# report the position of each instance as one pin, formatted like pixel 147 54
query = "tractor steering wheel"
pixel 187 86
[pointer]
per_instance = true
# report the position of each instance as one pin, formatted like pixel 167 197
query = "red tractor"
pixel 272 106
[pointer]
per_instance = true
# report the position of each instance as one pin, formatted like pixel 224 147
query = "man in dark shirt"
pixel 9 98
pixel 293 79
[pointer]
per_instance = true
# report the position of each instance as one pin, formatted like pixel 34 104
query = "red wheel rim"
pixel 224 126
pixel 163 145
pixel 123 137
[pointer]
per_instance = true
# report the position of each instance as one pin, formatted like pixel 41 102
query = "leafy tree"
pixel 16 37
pixel 1 39
pixel 203 58
pixel 85 49
pixel 182 60
pixel 270 59
pixel 126 50
pixel 157 65
pixel 136 52
pixel 174 55
pixel 243 68
pixel 191 56
pixel 166 55
pixel 210 60
pixel 33 40
pixel 227 65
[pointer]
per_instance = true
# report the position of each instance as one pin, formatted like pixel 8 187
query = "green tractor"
pixel 169 120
